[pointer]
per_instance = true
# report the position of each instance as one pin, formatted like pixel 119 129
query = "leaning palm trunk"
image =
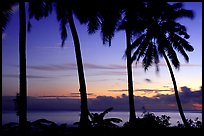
pixel 84 120
pixel 22 63
pixel 132 116
pixel 176 92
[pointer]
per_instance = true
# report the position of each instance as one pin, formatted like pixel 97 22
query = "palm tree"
pixel 65 12
pixel 22 65
pixel 132 26
pixel 109 16
pixel 7 11
pixel 162 36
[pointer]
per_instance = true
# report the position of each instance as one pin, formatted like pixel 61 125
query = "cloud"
pixel 161 102
pixel 123 90
pixel 28 76
pixel 185 90
pixel 78 94
pixel 87 66
pixel 140 90
pixel 166 86
pixel 71 95
pixel 148 80
pixel 53 67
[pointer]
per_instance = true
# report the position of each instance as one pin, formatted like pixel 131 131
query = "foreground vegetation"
pixel 100 126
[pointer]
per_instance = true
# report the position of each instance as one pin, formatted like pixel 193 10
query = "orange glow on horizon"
pixel 197 106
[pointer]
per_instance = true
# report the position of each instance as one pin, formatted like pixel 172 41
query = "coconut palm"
pixel 65 12
pixel 22 67
pixel 132 25
pixel 162 36
pixel 7 11
pixel 109 16
pixel 94 14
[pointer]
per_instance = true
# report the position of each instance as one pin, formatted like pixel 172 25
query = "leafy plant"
pixel 98 120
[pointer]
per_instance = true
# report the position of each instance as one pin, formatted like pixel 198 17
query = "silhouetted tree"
pixel 107 16
pixel 132 25
pixel 6 11
pixel 22 67
pixel 65 12
pixel 161 37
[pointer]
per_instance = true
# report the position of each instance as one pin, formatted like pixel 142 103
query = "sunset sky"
pixel 51 70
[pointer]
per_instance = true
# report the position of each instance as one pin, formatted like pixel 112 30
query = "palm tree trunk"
pixel 84 120
pixel 176 92
pixel 22 63
pixel 132 116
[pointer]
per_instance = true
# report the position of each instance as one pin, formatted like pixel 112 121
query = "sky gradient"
pixel 51 70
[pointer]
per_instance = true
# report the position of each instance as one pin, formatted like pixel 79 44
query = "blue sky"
pixel 52 70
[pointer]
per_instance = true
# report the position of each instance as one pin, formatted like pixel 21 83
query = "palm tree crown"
pixel 163 35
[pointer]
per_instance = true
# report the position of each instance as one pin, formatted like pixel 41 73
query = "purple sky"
pixel 52 70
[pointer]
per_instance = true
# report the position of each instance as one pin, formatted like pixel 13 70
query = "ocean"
pixel 70 117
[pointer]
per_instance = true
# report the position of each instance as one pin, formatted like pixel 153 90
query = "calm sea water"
pixel 69 117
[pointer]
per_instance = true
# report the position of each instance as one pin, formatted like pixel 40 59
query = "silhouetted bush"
pixel 149 120
pixel 193 123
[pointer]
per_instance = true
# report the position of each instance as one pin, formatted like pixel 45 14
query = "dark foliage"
pixel 98 120
pixel 149 120
pixel 193 123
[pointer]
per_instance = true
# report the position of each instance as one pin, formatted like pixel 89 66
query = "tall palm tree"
pixel 132 26
pixel 22 67
pixel 65 11
pixel 38 9
pixel 110 16
pixel 162 36
pixel 7 11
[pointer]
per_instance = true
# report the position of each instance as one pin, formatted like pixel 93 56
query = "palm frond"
pixel 180 44
pixel 6 12
pixel 137 42
pixel 40 8
pixel 63 32
pixel 106 111
pixel 173 57
pixel 176 6
pixel 29 26
pixel 156 57
pixel 141 49
pixel 184 13
pixel 93 24
pixel 62 15
pixel 149 56
pixel 185 44
pixel 115 120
